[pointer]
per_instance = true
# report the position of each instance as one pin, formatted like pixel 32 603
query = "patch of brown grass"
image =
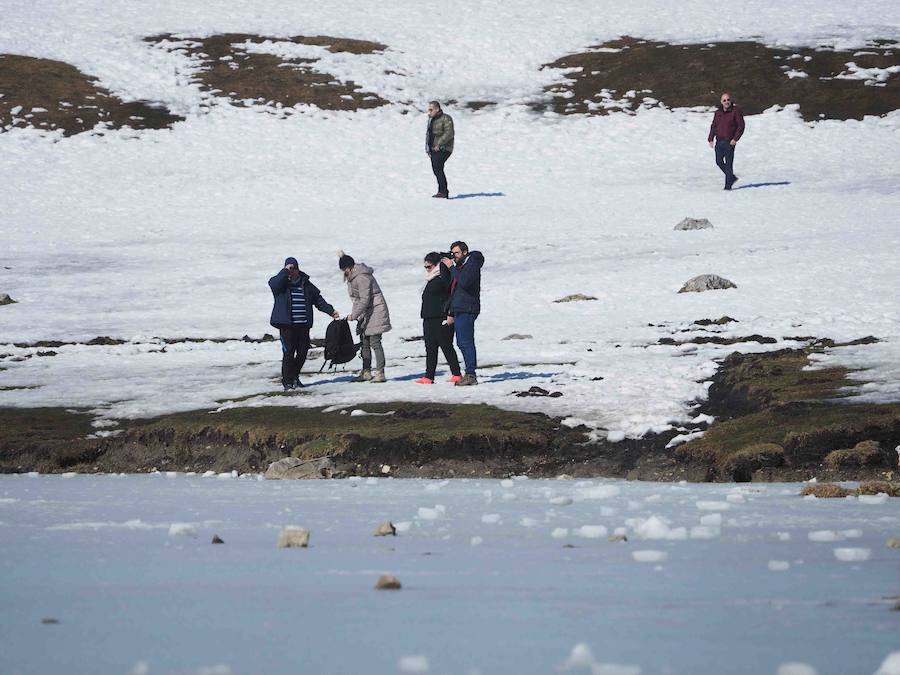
pixel 245 78
pixel 825 491
pixel 51 95
pixel 865 453
pixel 695 74
pixel 874 487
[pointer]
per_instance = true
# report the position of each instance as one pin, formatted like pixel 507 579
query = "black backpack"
pixel 339 345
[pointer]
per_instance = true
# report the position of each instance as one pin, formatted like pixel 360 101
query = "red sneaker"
pixel 424 380
pixel 455 379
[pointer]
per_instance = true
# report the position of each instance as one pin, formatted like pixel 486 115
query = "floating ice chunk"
pixel 476 541
pixel 614 669
pixel 403 526
pixel 705 532
pixel 371 481
pixel 825 535
pixel 852 534
pixel 655 527
pixel 649 556
pixel 69 474
pixel 880 498
pixel 227 475
pixel 209 474
pixel 653 499
pixel 735 498
pixel 620 531
pixel 560 532
pixel 140 668
pixel 8 500
pixel 591 531
pixel 712 519
pixel 795 669
pixel 182 530
pixel 426 513
pixel 561 501
pixel 891 665
pixel 508 497
pixel 779 565
pixel 581 658
pixel 713 506
pixel 852 554
pixel 491 518
pixel 527 522
pixel 413 664
pixel 434 486
pixel 219 669
pixel 171 474
pixel 783 536
pixel 507 483
pixel 598 492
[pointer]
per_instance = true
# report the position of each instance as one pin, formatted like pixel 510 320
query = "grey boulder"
pixel 706 282
pixel 694 224
pixel 292 468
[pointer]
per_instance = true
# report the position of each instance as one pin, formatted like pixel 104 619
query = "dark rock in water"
pixel 6 300
pixel 518 336
pixel 217 539
pixel 386 582
pixel 721 321
pixel 539 392
pixel 50 621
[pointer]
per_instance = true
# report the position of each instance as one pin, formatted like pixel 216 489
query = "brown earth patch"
pixel 53 95
pixel 648 73
pixel 246 79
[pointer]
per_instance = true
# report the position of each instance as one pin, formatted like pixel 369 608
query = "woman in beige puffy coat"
pixel 370 312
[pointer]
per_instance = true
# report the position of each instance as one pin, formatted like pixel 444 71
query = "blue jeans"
pixel 725 159
pixel 464 324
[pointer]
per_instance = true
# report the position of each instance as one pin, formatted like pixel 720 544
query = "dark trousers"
pixel 725 159
pixel 464 323
pixel 294 348
pixel 438 334
pixel 438 159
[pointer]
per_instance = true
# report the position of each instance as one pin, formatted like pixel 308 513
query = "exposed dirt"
pixel 50 95
pixel 647 73
pixel 228 71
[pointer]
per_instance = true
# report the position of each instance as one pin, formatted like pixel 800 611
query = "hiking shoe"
pixel 440 195
pixel 467 381
pixel 734 179
pixel 287 385
pixel 378 376
pixel 424 380
pixel 455 378
pixel 298 384
pixel 364 376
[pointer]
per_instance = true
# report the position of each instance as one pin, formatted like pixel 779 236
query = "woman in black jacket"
pixel 437 331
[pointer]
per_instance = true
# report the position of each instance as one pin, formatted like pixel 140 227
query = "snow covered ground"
pixel 513 576
pixel 139 235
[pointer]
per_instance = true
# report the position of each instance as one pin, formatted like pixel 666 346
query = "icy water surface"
pixel 498 577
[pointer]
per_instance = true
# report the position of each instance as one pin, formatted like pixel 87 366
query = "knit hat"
pixel 291 261
pixel 345 261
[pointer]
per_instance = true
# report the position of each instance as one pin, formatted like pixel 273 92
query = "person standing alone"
pixel 725 131
pixel 439 145
pixel 295 296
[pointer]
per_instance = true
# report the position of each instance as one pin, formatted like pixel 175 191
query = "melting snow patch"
pixel 182 530
pixel 713 506
pixel 591 531
pixel 359 412
pixel 795 669
pixel 413 664
pixel 649 556
pixel 852 554
pixel 825 535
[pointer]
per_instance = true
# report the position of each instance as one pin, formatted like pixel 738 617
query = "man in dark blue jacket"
pixel 465 303
pixel 295 296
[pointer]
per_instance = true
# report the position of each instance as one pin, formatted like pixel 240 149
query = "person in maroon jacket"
pixel 726 129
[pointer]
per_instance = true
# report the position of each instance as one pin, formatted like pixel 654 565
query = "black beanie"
pixel 291 261
pixel 345 261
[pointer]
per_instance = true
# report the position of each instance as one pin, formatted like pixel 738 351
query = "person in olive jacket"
pixel 439 145
pixel 438 333
pixel 295 296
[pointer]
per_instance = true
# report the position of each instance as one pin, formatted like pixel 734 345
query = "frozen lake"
pixel 498 577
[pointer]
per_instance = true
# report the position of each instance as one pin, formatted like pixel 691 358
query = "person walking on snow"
pixel 295 296
pixel 726 130
pixel 465 303
pixel 370 312
pixel 438 333
pixel 439 145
